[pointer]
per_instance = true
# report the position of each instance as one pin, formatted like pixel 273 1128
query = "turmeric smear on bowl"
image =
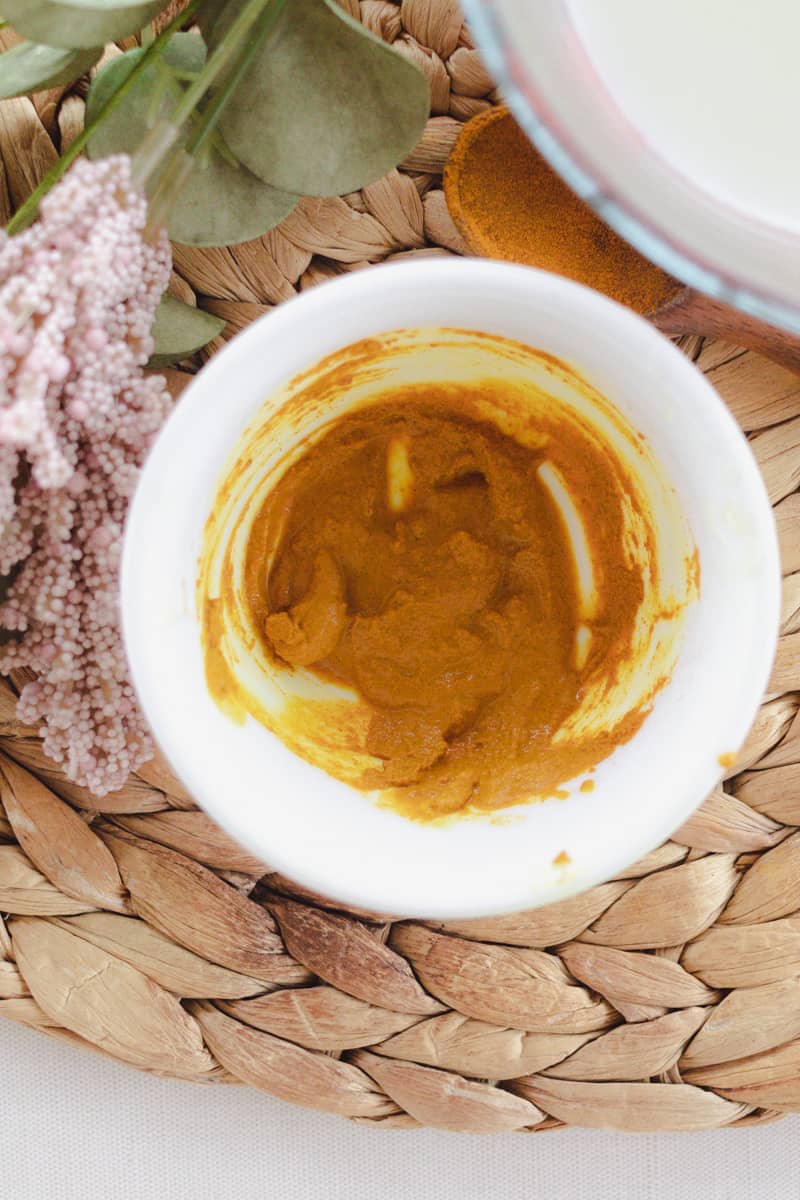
pixel 452 595
pixel 425 560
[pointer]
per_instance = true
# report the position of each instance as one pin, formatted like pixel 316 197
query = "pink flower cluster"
pixel 78 292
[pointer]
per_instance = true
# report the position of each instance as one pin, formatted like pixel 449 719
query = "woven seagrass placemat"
pixel 666 999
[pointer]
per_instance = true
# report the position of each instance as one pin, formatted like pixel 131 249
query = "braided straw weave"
pixel 666 999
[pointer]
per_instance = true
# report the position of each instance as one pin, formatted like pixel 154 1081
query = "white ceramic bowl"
pixel 330 837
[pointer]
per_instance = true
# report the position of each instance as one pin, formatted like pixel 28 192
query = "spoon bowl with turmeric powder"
pixel 427 593
pixel 509 203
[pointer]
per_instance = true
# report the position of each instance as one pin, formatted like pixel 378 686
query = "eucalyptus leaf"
pixel 221 203
pixel 326 107
pixel 30 67
pixel 179 330
pixel 79 24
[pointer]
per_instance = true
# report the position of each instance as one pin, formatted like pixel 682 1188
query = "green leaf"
pixel 326 107
pixel 30 67
pixel 179 330
pixel 79 24
pixel 221 203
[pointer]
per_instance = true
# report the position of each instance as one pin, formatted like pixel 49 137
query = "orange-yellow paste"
pixel 416 554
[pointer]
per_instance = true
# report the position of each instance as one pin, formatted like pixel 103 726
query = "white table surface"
pixel 74 1126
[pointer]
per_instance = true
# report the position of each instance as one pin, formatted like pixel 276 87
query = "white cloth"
pixel 78 1127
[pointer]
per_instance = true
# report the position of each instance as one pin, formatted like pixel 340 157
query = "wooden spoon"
pixel 693 312
pixel 508 203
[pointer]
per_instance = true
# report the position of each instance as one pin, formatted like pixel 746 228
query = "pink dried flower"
pixel 78 292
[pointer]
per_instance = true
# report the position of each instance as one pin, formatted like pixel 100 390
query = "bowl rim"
pixel 411 897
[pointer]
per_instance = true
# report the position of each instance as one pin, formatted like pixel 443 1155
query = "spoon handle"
pixel 692 312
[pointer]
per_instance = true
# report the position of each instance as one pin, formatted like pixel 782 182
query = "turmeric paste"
pixel 444 569
pixel 423 560
pixel 508 203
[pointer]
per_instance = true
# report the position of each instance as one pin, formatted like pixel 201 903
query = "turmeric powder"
pixel 508 203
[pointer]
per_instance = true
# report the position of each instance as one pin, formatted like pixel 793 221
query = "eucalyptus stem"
pixel 27 211
pixel 169 185
pixel 219 60
pixel 205 126
pixel 161 143
pixel 235 53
